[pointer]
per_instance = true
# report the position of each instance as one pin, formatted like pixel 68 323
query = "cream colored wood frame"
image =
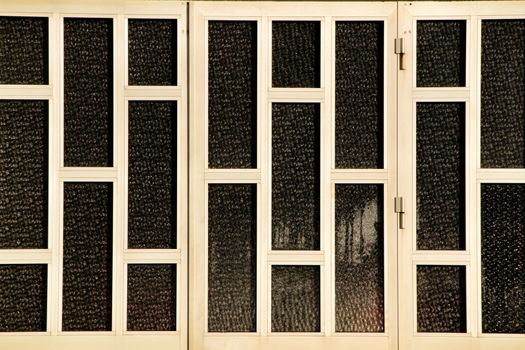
pixel 201 176
pixel 409 257
pixel 118 337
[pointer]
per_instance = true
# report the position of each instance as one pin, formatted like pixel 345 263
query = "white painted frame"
pixel 201 176
pixel 409 257
pixel 118 338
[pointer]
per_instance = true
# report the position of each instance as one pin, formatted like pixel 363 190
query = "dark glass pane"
pixel 152 174
pixel 296 54
pixel 359 94
pixel 23 173
pixel 24 50
pixel 152 51
pixel 503 93
pixel 503 258
pixel 88 251
pixel 441 299
pixel 296 299
pixel 295 176
pixel 23 298
pixel 232 258
pixel 232 94
pixel 152 297
pixel 359 273
pixel 441 51
pixel 441 176
pixel 88 92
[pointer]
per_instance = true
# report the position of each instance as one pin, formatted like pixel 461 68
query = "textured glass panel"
pixel 441 176
pixel 232 94
pixel 296 299
pixel 359 277
pixel 23 173
pixel 152 51
pixel 441 50
pixel 152 174
pixel 88 251
pixel 152 297
pixel 24 50
pixel 232 257
pixel 296 54
pixel 503 93
pixel 88 91
pixel 503 258
pixel 441 299
pixel 359 94
pixel 295 176
pixel 23 298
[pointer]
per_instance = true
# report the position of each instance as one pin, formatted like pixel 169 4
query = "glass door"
pixel 461 173
pixel 293 171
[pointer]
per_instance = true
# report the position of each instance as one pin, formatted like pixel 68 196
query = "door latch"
pixel 400 50
pixel 399 208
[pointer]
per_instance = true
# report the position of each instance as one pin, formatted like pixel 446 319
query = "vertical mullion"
pixel 326 203
pixel 264 205
pixel 53 183
pixel 120 163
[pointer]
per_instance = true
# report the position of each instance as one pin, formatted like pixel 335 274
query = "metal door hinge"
pixel 399 49
pixel 399 208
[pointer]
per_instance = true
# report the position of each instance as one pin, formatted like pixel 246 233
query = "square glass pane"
pixel 296 54
pixel 296 299
pixel 441 51
pixel 152 51
pixel 24 50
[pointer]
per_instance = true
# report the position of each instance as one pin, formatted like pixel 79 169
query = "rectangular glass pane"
pixel 502 258
pixel 359 94
pixel 296 54
pixel 88 92
pixel 359 271
pixel 296 299
pixel 152 174
pixel 502 93
pixel 23 173
pixel 232 258
pixel 24 50
pixel 295 176
pixel 23 298
pixel 440 156
pixel 87 256
pixel 441 299
pixel 232 94
pixel 152 51
pixel 441 52
pixel 152 297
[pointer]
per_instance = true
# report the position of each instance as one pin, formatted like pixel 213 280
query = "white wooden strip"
pixel 296 257
pixel 145 256
pixel 25 256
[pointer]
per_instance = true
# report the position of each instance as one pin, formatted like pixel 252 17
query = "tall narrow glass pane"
pixel 441 53
pixel 88 92
pixel 503 258
pixel 23 298
pixel 152 297
pixel 232 258
pixel 441 299
pixel 359 102
pixel 296 299
pixel 152 174
pixel 296 54
pixel 440 139
pixel 23 173
pixel 359 272
pixel 502 94
pixel 295 176
pixel 232 94
pixel 152 51
pixel 24 50
pixel 87 256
